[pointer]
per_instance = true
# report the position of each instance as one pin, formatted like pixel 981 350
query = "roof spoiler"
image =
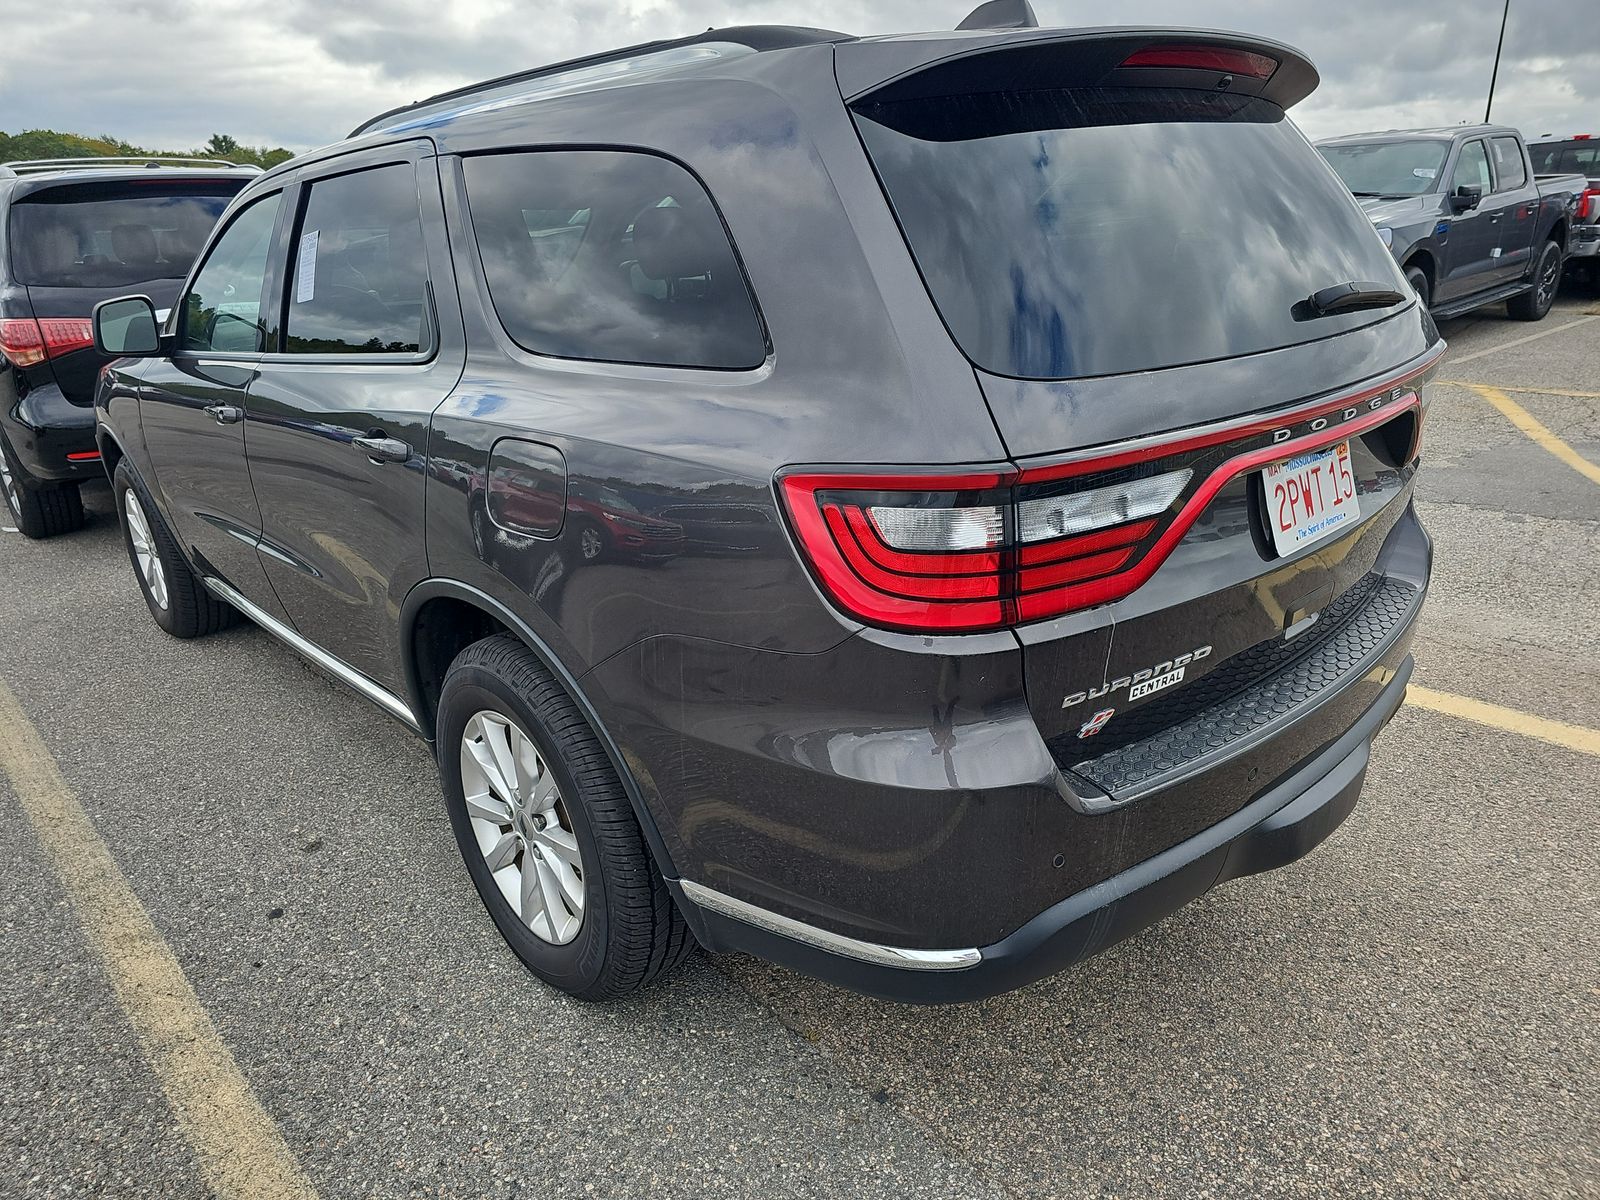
pixel 1022 59
pixel 1001 14
pixel 28 166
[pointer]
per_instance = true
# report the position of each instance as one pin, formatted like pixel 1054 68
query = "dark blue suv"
pixel 72 233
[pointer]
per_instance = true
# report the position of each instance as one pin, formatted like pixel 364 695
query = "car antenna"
pixel 1001 14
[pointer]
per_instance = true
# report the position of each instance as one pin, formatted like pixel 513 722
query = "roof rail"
pixel 751 37
pixel 25 166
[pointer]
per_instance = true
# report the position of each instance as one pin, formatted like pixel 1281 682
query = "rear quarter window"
pixel 104 235
pixel 611 256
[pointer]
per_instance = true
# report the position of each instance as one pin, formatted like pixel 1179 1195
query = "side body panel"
pixel 342 532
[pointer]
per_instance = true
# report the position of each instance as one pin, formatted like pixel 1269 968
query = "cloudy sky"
pixel 300 73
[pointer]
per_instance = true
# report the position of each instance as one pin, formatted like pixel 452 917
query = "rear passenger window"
pixel 1508 168
pixel 358 278
pixel 612 256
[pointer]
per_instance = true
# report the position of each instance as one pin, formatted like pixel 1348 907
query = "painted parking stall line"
pixel 239 1149
pixel 1556 733
pixel 1536 430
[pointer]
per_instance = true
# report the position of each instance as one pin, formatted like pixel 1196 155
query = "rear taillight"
pixel 1204 58
pixel 1589 204
pixel 27 342
pixel 986 549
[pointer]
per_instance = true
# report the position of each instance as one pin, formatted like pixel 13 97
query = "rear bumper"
pixel 1281 825
pixel 44 428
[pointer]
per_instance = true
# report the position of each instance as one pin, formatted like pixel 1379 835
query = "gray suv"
pixel 917 509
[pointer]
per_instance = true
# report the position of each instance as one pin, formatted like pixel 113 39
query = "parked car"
pixel 72 233
pixel 1578 154
pixel 1462 211
pixel 1083 398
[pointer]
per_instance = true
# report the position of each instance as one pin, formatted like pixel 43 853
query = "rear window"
pixel 613 256
pixel 1070 233
pixel 1566 158
pixel 111 235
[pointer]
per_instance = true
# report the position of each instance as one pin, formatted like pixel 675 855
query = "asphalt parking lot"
pixel 1413 1010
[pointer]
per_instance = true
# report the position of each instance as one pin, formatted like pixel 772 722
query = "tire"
pixel 1418 279
pixel 40 510
pixel 177 599
pixel 1533 304
pixel 629 932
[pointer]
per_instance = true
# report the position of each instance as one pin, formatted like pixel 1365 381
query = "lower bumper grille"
pixel 1255 690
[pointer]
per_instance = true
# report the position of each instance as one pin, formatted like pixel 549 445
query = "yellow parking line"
pixel 1557 733
pixel 1530 425
pixel 1529 391
pixel 239 1149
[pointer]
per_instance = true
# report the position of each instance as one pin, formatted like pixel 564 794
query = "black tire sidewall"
pixel 1550 249
pixel 1418 279
pixel 579 965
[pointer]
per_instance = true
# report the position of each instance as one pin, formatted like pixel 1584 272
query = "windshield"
pixel 1071 233
pixel 1391 169
pixel 111 235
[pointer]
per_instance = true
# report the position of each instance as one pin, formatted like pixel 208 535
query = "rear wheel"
pixel 39 510
pixel 1418 279
pixel 1533 304
pixel 547 832
pixel 177 599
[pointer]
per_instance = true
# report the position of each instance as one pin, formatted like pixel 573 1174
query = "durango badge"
pixel 1141 683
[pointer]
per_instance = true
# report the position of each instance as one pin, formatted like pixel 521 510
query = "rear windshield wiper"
pixel 1347 297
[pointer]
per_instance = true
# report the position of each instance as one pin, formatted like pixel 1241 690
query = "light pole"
pixel 1500 45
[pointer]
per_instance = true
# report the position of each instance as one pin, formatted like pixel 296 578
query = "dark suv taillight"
pixel 958 552
pixel 27 342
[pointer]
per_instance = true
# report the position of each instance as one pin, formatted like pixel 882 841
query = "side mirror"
pixel 1465 198
pixel 126 327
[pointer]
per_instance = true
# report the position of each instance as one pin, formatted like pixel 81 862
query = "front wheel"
pixel 177 599
pixel 1418 279
pixel 547 832
pixel 39 510
pixel 1533 304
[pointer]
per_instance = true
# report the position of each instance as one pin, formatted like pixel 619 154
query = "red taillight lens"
pixel 1589 204
pixel 1204 58
pixel 27 342
pixel 955 553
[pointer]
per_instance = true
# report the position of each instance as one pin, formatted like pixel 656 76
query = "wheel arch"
pixel 441 617
pixel 111 451
pixel 1558 234
pixel 1422 258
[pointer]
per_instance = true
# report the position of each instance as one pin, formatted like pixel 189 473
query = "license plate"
pixel 1310 497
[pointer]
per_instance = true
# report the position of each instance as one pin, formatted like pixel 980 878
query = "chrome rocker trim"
pixel 833 943
pixel 345 674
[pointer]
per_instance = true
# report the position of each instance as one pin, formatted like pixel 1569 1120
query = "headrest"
pixel 134 244
pixel 671 243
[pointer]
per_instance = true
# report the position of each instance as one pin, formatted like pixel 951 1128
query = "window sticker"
pixel 1425 172
pixel 305 276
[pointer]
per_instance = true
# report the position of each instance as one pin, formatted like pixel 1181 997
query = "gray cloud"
pixel 301 73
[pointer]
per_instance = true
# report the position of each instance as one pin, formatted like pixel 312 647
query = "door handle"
pixel 226 414
pixel 381 449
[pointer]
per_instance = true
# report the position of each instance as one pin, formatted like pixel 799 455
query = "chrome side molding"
pixel 833 943
pixel 343 672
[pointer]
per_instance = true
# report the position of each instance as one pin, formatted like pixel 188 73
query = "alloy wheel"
pixel 522 827
pixel 144 549
pixel 1548 279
